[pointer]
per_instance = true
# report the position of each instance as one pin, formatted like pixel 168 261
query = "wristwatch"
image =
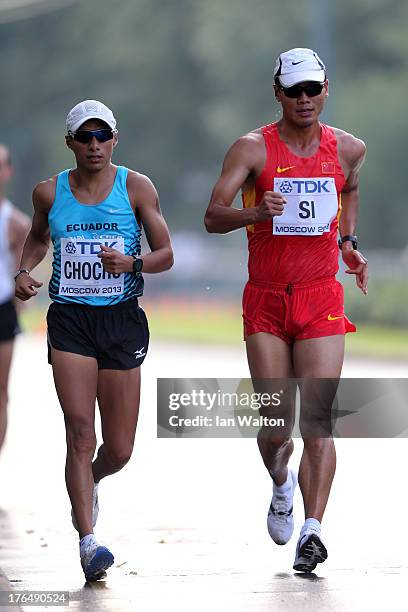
pixel 352 239
pixel 137 264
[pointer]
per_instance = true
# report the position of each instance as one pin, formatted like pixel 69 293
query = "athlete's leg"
pixel 6 352
pixel 118 399
pixel 270 357
pixel 75 379
pixel 317 358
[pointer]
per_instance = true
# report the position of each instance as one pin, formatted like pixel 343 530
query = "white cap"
pixel 298 65
pixel 89 109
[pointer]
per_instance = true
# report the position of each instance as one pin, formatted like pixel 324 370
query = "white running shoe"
pixel 310 551
pixel 95 509
pixel 95 560
pixel 280 515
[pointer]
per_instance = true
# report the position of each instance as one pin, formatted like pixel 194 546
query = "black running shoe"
pixel 310 551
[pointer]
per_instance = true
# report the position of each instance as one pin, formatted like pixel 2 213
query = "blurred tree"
pixel 185 79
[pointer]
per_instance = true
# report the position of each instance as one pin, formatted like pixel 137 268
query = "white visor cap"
pixel 298 65
pixel 89 109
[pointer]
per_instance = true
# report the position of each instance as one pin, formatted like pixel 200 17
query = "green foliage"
pixel 385 303
pixel 187 78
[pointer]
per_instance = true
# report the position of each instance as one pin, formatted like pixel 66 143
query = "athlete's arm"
pixel 245 158
pixel 38 239
pixel 145 201
pixel 352 152
pixel 18 230
pixel 157 233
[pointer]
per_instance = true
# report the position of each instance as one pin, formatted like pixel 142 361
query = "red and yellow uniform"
pixel 292 291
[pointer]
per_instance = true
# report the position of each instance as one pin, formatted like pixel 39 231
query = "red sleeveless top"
pixel 294 258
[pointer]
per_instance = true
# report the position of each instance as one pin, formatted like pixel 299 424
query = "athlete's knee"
pixel 268 436
pixel 118 456
pixel 316 447
pixel 315 426
pixel 81 439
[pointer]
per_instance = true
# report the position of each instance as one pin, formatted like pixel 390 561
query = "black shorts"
pixel 9 327
pixel 116 336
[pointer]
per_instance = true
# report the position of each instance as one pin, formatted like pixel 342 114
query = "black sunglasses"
pixel 311 90
pixel 86 136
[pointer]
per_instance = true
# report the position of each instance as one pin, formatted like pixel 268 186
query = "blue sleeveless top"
pixel 77 231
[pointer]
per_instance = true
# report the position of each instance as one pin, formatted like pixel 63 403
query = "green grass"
pixel 205 327
pixel 32 319
pixel 199 323
pixel 378 342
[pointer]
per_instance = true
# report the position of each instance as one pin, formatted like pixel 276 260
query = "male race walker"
pixel 299 181
pixel 97 333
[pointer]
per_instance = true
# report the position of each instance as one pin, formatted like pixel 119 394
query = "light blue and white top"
pixel 77 231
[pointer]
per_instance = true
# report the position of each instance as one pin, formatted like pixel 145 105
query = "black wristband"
pixel 137 264
pixel 17 274
pixel 352 239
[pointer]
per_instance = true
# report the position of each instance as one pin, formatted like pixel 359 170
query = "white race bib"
pixel 82 272
pixel 310 208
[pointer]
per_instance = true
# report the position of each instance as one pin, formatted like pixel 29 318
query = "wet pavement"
pixel 186 519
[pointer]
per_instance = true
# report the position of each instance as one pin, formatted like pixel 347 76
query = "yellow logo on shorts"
pixel 334 317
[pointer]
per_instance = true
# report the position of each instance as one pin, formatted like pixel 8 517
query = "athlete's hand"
pixel 25 286
pixel 271 205
pixel 358 265
pixel 114 261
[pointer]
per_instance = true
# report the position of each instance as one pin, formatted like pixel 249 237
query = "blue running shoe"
pixel 95 561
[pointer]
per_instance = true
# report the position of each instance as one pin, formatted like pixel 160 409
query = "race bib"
pixel 82 272
pixel 310 208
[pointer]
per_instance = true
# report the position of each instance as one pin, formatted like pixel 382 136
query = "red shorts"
pixel 295 312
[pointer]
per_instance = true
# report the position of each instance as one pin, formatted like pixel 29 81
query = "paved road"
pixel 186 518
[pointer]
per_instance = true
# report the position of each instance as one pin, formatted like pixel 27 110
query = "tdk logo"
pixel 285 187
pixel 92 248
pixel 70 248
pixel 305 186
